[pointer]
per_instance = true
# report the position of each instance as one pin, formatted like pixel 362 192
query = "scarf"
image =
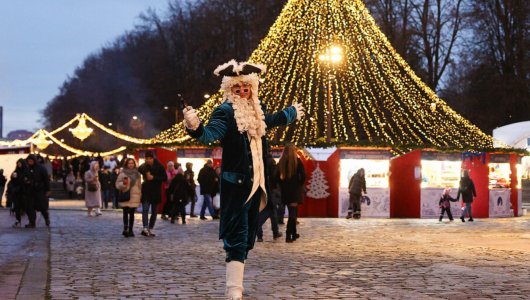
pixel 133 175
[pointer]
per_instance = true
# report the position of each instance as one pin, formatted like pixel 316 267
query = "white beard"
pixel 249 116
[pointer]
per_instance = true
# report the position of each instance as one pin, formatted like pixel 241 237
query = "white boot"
pixel 234 280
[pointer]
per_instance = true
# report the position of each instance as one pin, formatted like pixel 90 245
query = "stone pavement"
pixel 333 259
pixel 24 255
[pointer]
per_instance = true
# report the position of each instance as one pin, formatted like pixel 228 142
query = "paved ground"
pixel 334 259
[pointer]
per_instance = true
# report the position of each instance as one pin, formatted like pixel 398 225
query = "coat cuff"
pixel 197 133
pixel 290 114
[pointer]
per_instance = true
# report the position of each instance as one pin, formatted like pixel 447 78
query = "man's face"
pixel 150 160
pixel 242 89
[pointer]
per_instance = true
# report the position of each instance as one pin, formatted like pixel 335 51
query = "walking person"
pixel 36 191
pixel 190 178
pixel 180 193
pixel 129 184
pixel 468 192
pixel 171 172
pixel 70 184
pixel 240 124
pixel 208 182
pixel 105 183
pixel 445 204
pixel 114 191
pixel 356 187
pixel 3 181
pixel 93 189
pixel 154 175
pixel 16 191
pixel 292 178
pixel 270 211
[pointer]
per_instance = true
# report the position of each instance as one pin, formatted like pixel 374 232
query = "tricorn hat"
pixel 233 69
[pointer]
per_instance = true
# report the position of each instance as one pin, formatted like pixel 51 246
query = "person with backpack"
pixel 468 192
pixel 356 187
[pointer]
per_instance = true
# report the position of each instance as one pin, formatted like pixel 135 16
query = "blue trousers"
pixel 207 202
pixel 467 210
pixel 146 221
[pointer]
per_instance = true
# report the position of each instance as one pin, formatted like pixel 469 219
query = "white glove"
pixel 300 110
pixel 191 121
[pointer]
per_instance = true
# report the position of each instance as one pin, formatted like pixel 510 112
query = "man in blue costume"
pixel 240 124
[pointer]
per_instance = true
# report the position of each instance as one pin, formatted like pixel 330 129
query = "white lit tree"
pixel 318 185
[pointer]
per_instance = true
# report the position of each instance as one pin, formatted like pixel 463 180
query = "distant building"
pixel 19 135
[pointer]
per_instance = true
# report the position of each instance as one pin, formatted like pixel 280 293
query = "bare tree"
pixel 438 26
pixel 394 19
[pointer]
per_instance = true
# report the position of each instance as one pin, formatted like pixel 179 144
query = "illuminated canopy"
pixel 377 99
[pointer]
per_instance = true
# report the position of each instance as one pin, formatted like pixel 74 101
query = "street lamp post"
pixel 331 56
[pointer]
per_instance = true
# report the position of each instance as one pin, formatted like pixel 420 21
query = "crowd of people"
pixel 107 182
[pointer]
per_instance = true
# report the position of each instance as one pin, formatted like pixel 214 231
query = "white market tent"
pixel 516 135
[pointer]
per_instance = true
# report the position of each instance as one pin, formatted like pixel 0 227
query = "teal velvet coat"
pixel 236 164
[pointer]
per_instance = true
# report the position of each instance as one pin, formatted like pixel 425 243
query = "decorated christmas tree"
pixel 375 99
pixel 318 185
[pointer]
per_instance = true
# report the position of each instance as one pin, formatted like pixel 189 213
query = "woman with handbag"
pixel 129 194
pixel 93 189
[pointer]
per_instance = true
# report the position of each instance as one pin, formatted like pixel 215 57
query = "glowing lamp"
pixel 40 141
pixel 81 131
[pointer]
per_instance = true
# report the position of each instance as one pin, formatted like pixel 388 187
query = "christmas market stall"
pixel 497 178
pixel 376 164
pixel 418 180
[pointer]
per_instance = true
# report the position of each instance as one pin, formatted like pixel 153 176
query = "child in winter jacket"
pixel 445 204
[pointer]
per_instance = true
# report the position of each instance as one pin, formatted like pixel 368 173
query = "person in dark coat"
pixel 113 190
pixel 240 124
pixel 270 211
pixel 179 194
pixel 154 175
pixel 208 182
pixel 467 190
pixel 15 191
pixel 106 186
pixel 190 178
pixel 356 187
pixel 292 178
pixel 36 183
pixel 3 181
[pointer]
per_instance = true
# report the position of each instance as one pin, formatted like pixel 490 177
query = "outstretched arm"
pixel 284 117
pixel 215 130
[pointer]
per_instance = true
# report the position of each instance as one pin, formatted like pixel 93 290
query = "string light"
pixel 79 151
pixel 117 134
pixel 377 100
